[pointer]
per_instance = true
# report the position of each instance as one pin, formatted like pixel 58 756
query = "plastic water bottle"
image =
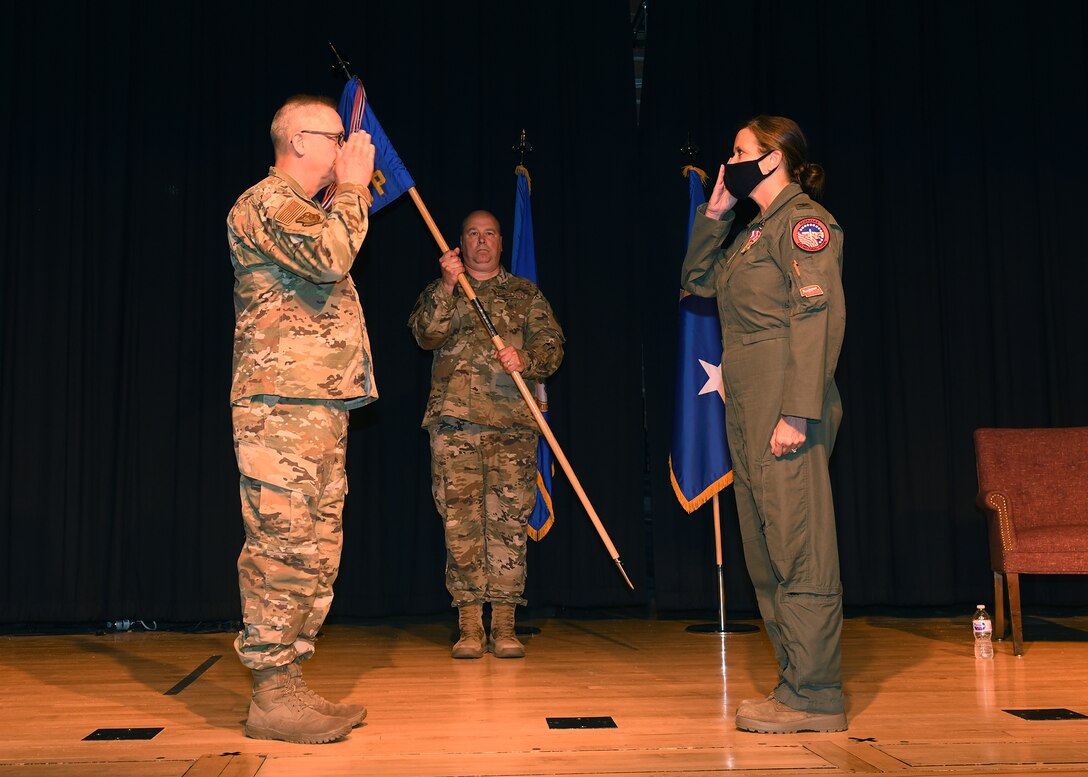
pixel 984 629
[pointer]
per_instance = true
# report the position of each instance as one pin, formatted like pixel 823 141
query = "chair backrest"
pixel 1043 471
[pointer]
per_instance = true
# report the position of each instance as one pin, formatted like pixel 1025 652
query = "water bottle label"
pixel 983 627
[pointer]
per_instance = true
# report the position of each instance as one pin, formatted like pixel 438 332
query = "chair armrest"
pixel 998 507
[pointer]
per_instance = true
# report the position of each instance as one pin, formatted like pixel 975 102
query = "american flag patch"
pixel 287 213
pixel 810 235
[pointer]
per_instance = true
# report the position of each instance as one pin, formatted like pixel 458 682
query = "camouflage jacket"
pixel 467 382
pixel 300 330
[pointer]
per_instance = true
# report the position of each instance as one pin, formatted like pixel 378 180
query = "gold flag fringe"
pixel 688 168
pixel 528 180
pixel 691 505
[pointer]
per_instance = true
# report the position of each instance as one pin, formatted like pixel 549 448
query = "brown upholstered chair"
pixel 1033 487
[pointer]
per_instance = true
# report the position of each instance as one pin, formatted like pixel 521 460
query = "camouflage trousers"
pixel 484 485
pixel 291 455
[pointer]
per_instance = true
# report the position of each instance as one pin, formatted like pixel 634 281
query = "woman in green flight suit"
pixel 783 315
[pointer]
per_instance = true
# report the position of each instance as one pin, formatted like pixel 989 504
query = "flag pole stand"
pixel 721 627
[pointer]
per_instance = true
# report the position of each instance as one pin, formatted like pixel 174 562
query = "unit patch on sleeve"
pixel 810 235
pixel 811 291
pixel 309 218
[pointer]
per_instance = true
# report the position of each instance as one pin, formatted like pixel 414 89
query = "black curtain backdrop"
pixel 948 131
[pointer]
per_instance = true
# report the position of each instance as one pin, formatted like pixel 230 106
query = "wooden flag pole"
pixel 496 340
pixel 718 559
pixel 721 627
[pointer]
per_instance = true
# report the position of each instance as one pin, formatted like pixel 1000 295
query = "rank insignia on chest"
pixel 752 238
pixel 810 235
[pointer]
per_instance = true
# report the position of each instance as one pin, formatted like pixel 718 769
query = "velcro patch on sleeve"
pixel 289 211
pixel 811 291
pixel 309 218
pixel 810 235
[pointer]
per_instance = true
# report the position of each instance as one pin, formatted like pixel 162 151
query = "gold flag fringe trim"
pixel 528 180
pixel 688 168
pixel 691 505
pixel 539 534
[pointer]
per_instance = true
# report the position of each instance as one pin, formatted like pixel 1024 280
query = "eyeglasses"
pixel 337 136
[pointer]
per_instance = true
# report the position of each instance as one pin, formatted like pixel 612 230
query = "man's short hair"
pixel 281 122
pixel 464 221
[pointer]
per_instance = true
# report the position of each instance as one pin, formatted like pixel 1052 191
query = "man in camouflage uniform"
pixel 301 361
pixel 482 434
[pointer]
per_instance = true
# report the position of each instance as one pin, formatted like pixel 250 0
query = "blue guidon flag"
pixel 523 263
pixel 391 178
pixel 699 463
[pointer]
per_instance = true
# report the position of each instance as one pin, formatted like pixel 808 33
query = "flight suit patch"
pixel 811 291
pixel 810 235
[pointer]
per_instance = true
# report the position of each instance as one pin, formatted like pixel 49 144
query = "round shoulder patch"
pixel 810 235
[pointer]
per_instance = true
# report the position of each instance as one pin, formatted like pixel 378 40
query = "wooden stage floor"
pixel 917 700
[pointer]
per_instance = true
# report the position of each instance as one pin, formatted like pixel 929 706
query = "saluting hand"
pixel 451 268
pixel 720 199
pixel 356 161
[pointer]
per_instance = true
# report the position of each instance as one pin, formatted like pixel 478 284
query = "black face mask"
pixel 742 177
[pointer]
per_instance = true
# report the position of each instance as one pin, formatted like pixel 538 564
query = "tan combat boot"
pixel 354 712
pixel 504 643
pixel 276 712
pixel 773 717
pixel 470 618
pixel 746 704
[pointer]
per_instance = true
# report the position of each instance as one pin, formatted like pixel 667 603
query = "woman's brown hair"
pixel 782 134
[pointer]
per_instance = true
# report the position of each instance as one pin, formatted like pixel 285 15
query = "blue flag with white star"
pixel 523 263
pixel 699 463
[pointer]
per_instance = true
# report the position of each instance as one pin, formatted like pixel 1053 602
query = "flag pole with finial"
pixel 691 151
pixel 497 341
pixel 545 429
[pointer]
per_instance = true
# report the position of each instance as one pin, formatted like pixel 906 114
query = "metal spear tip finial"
pixel 341 63
pixel 690 148
pixel 619 566
pixel 522 147
pixel 523 144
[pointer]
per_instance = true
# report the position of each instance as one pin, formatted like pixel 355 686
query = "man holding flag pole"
pixel 390 180
pixel 476 443
pixel 482 435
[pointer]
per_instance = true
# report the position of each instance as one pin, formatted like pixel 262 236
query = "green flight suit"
pixel 783 315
